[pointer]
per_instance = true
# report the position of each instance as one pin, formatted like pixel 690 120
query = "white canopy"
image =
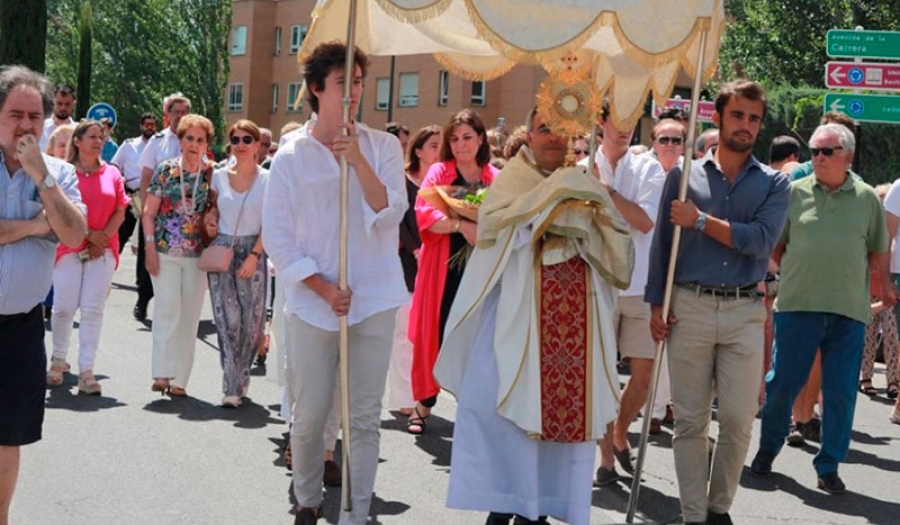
pixel 633 46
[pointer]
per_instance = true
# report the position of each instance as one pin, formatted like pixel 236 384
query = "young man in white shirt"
pixel 301 234
pixel 635 184
pixel 63 104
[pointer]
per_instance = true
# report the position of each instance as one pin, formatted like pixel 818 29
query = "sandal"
pixel 415 425
pixel 893 390
pixel 160 385
pixel 865 387
pixel 88 384
pixel 58 367
pixel 177 391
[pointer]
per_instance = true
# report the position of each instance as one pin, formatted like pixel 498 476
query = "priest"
pixel 530 349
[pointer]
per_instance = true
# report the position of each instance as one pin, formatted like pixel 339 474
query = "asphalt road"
pixel 132 457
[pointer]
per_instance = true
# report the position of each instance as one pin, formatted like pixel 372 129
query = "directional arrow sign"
pixel 865 108
pixel 853 75
pixel 863 44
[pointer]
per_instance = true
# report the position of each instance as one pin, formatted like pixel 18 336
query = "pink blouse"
pixel 103 192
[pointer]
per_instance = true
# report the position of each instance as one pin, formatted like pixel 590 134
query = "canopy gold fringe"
pixel 415 16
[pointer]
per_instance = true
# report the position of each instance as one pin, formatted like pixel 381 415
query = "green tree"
pixel 23 30
pixel 144 50
pixel 85 61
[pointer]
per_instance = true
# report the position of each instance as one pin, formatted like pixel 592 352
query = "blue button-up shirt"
pixel 26 266
pixel 755 206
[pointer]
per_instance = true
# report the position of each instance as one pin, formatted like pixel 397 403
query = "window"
pixel 235 97
pixel 292 95
pixel 298 33
pixel 409 90
pixel 277 41
pixel 382 93
pixel 479 93
pixel 274 98
pixel 444 89
pixel 239 40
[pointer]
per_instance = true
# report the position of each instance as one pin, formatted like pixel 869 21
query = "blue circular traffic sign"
pixel 102 110
pixel 856 107
pixel 855 75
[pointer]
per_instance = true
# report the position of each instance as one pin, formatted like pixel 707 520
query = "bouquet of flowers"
pixel 455 201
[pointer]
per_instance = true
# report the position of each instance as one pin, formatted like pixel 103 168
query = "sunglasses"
pixel 676 141
pixel 237 140
pixel 824 151
pixel 581 151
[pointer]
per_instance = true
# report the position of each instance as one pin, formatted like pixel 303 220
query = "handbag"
pixel 218 258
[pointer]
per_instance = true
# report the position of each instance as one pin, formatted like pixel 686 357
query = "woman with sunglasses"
pixel 82 275
pixel 239 294
pixel 177 197
pixel 668 143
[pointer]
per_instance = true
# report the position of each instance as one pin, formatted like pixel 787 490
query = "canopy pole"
pixel 349 67
pixel 670 278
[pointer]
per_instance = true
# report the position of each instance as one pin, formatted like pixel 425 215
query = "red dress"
pixel 425 311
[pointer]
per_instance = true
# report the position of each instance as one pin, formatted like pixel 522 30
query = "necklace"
pixel 88 170
pixel 193 209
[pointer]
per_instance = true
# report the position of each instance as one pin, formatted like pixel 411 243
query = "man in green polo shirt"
pixel 834 235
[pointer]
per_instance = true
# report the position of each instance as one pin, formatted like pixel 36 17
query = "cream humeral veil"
pixel 574 215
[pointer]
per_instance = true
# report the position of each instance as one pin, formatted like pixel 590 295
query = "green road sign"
pixel 863 44
pixel 865 108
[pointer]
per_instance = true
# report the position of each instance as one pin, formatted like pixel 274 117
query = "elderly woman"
pixel 171 221
pixel 239 294
pixel 465 157
pixel 668 143
pixel 83 274
pixel 59 141
pixel 423 151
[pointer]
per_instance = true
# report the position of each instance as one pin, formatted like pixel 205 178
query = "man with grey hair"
pixel 265 142
pixel 163 146
pixel 39 206
pixel 835 233
pixel 706 141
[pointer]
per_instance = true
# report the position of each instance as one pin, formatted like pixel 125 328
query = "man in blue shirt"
pixel 39 203
pixel 734 212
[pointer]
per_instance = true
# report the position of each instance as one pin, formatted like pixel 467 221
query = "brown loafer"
pixel 333 476
pixel 177 391
pixel 655 427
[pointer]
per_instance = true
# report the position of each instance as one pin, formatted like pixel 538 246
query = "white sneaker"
pixel 895 417
pixel 231 401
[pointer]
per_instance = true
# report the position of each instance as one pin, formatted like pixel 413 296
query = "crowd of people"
pixel 523 312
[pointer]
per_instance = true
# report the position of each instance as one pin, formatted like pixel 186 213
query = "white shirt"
pixel 640 179
pixel 49 127
pixel 230 201
pixel 162 147
pixel 128 159
pixel 892 205
pixel 301 221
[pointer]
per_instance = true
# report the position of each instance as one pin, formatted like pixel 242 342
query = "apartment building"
pixel 265 78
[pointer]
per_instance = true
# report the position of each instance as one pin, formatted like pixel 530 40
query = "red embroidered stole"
pixel 565 353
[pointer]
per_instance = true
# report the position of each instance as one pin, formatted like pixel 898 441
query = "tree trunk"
pixel 23 33
pixel 83 91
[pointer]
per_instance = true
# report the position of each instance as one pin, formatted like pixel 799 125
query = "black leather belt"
pixel 749 291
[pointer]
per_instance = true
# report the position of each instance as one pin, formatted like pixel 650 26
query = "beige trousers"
pixel 715 348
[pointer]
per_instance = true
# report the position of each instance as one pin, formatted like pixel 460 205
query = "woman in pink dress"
pixel 465 157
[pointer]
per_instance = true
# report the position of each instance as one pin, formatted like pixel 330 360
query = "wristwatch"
pixel 701 222
pixel 48 182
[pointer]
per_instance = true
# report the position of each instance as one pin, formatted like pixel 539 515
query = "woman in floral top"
pixel 171 220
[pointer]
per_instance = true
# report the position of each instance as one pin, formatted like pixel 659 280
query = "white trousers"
pixel 85 286
pixel 399 383
pixel 313 364
pixel 179 291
